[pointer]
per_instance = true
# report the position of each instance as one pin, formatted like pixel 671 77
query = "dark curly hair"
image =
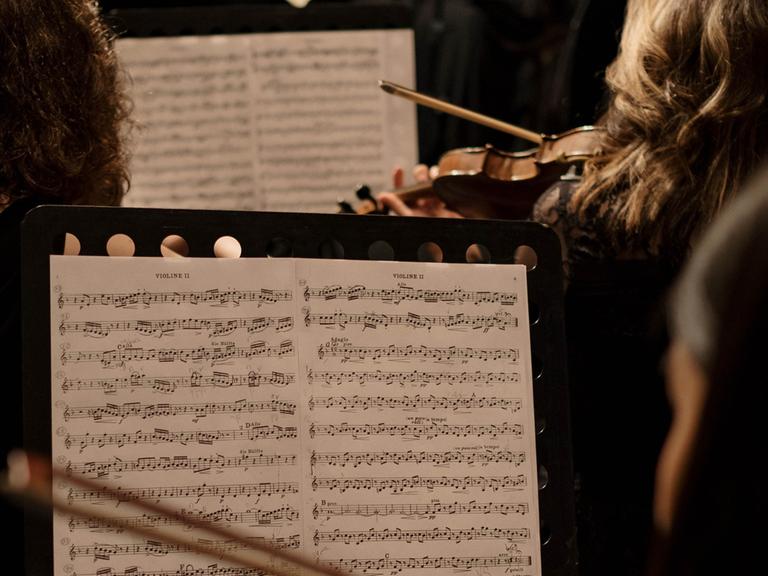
pixel 63 109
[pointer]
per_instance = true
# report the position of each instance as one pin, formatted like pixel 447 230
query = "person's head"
pixel 62 105
pixel 687 121
pixel 712 477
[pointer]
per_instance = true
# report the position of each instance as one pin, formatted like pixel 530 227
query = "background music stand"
pixel 160 20
pixel 264 234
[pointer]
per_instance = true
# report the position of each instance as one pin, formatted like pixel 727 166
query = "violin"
pixel 486 182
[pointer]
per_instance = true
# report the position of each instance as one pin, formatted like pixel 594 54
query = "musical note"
pixel 355 459
pixel 418 510
pixel 147 411
pixel 154 548
pixel 408 294
pixel 214 326
pixel 399 484
pixel 188 570
pixel 197 491
pixel 347 351
pixel 413 378
pixel 435 534
pixel 411 403
pixel 499 320
pixel 417 430
pixel 147 299
pixel 104 469
pixel 213 354
pixel 169 384
pixel 440 562
pixel 169 395
pixel 160 436
pixel 222 515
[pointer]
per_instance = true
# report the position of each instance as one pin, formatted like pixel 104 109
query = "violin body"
pixel 490 183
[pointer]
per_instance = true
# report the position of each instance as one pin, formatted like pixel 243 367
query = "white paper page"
pixel 420 428
pixel 176 380
pixel 282 121
pixel 376 416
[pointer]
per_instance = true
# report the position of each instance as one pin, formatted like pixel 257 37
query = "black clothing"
pixel 619 413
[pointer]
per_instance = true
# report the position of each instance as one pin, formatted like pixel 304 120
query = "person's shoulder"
pixel 554 204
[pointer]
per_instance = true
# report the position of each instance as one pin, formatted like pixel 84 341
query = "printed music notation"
pixel 268 103
pixel 410 403
pixel 156 493
pixel 153 463
pixel 147 299
pixel 408 294
pixel 213 354
pixel 188 570
pixel 417 430
pixel 408 536
pixel 214 326
pixel 147 411
pixel 413 378
pixel 398 484
pixel 347 352
pixel 419 510
pixel 222 515
pixel 355 459
pixel 441 562
pixel 161 389
pixel 169 384
pixel 150 548
pixel 499 320
pixel 159 436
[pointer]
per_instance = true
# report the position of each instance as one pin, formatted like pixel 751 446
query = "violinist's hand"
pixel 430 206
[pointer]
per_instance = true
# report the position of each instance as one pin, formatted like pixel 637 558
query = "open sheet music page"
pixel 278 121
pixel 377 416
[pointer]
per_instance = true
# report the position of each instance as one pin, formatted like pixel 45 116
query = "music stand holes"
pixel 121 245
pixel 279 248
pixel 71 245
pixel 381 250
pixel 174 246
pixel 541 425
pixel 534 314
pixel 527 256
pixel 543 477
pixel 331 248
pixel 478 254
pixel 538 367
pixel 430 252
pixel 227 247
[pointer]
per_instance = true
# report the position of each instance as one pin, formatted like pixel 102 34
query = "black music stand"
pixel 263 234
pixel 214 18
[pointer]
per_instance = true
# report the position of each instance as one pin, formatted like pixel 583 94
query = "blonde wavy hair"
pixel 64 114
pixel 686 124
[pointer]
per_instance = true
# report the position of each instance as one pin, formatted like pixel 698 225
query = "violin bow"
pixel 31 478
pixel 453 110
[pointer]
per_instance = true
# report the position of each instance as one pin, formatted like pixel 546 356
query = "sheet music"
pixel 280 121
pixel 376 415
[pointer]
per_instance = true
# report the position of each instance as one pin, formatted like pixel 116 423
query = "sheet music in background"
pixel 375 415
pixel 279 121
